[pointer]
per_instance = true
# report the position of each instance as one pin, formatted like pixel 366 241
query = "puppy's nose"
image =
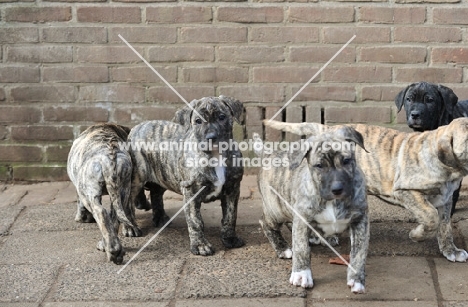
pixel 414 114
pixel 337 187
pixel 213 136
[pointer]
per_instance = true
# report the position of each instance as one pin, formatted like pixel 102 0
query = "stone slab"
pixel 452 279
pixel 106 304
pixel 42 193
pixel 244 302
pixel 9 215
pixel 352 303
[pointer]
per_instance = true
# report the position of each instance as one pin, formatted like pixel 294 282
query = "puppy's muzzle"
pixel 337 188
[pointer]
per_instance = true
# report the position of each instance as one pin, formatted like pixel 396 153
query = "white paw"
pixel 314 240
pixel 460 255
pixel 356 287
pixel 302 278
pixel 287 254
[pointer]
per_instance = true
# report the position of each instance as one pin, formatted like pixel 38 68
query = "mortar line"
pixel 53 286
pixel 182 272
pixel 435 281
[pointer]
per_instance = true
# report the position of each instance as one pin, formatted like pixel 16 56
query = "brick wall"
pixel 64 68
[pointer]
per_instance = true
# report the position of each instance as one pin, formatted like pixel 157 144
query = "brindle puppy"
pixel 325 186
pixel 183 171
pixel 97 166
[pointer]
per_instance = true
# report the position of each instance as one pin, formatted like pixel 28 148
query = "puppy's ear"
pixel 449 98
pixel 183 116
pixel 351 135
pixel 445 151
pixel 400 98
pixel 236 107
pixel 296 157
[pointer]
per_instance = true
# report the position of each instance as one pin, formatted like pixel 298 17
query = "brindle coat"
pixel 327 189
pixel 170 170
pixel 418 171
pixel 97 166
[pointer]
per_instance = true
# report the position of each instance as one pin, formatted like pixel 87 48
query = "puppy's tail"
pixel 258 144
pixel 297 128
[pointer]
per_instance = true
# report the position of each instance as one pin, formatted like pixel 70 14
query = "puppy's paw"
pixel 333 241
pixel 129 231
pixel 159 221
pixel 232 242
pixel 418 234
pixel 302 278
pixel 459 255
pixel 202 249
pixel 100 246
pixel 287 254
pixel 356 287
pixel 116 256
pixel 84 217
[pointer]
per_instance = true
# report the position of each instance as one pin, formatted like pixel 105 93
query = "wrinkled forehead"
pixel 331 145
pixel 421 89
pixel 210 105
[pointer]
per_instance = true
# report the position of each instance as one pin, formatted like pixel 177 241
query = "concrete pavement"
pixel 47 259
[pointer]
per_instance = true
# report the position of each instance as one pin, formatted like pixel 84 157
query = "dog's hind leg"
pixel 82 214
pixel 445 237
pixel 273 233
pixel 157 204
pixel 229 201
pixel 359 234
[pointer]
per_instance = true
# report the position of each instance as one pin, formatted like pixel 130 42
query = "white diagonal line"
pixel 314 76
pixel 160 230
pixel 159 75
pixel 312 228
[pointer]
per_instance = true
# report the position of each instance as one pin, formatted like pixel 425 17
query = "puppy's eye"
pixel 198 121
pixel 409 98
pixel 318 165
pixel 222 116
pixel 429 99
pixel 346 161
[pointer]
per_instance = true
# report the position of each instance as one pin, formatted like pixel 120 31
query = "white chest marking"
pixel 328 222
pixel 220 173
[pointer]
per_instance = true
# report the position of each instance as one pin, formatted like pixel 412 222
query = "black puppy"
pixel 429 106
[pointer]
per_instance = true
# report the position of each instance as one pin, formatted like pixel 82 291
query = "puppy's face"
pixel 423 106
pixel 334 170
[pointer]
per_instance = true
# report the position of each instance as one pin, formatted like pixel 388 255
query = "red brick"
pixel 109 14
pixel 144 34
pixel 251 14
pixel 273 135
pixel 20 153
pixel 393 15
pixel 4 132
pixel 38 14
pixel 358 74
pixel 2 94
pixel 19 114
pixel 253 116
pixel 250 54
pixel 39 54
pixel 460 90
pixel 427 34
pixel 404 55
pixel 143 74
pixel 293 115
pixel 294 34
pixel 254 93
pixel 318 54
pixel 215 74
pixel 43 93
pixel 19 74
pixel 181 53
pixel 213 34
pixel 179 14
pixel 358 115
pixel 452 15
pixel 380 92
pixel 311 14
pixel 313 114
pixel 57 153
pixel 42 133
pixel 112 93
pixel 317 92
pixel 40 173
pixel 75 114
pixel 136 115
pixel 74 35
pixel 429 74
pixel 284 74
pixel 427 1
pixel 366 34
pixel 75 74
pixel 144 1
pixel 19 35
pixel 163 94
pixel 107 54
pixel 457 55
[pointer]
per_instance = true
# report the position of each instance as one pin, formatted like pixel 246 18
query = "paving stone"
pixel 106 304
pixel 12 194
pixel 9 216
pixel 19 304
pixel 65 194
pixel 452 279
pixel 100 282
pixel 214 277
pixel 350 303
pixel 42 193
pixel 388 278
pixel 244 302
pixel 26 283
pixel 455 304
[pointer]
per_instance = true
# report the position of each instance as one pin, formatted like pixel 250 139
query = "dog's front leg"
pixel 445 237
pixel 359 234
pixel 301 274
pixel 199 245
pixel 229 201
